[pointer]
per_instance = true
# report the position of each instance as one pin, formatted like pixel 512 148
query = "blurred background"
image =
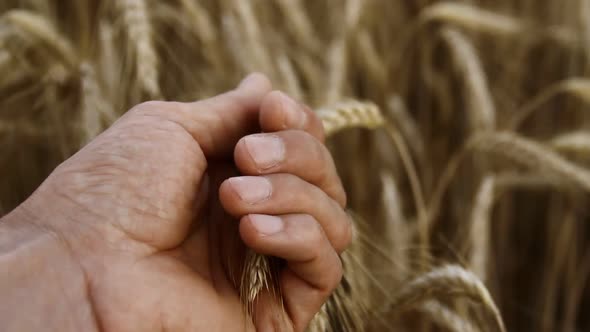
pixel 481 158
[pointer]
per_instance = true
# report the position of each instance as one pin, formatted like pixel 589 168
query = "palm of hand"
pixel 148 254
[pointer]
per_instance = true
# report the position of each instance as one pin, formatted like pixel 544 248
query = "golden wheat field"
pixel 460 128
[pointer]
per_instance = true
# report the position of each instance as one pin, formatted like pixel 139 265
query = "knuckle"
pixel 336 275
pixel 322 154
pixel 337 192
pixel 332 278
pixel 149 107
pixel 311 235
pixel 345 235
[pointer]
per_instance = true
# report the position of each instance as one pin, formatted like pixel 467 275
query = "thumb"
pixel 219 122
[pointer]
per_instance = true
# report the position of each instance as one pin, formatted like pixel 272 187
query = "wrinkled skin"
pixel 144 227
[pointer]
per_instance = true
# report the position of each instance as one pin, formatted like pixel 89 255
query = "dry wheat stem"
pixel 23 129
pixel 136 21
pixel 533 155
pixel 443 281
pixel 299 24
pixel 479 102
pixel 5 57
pixel 405 123
pixel 369 57
pixel 243 42
pixel 395 221
pixel 560 242
pixel 480 227
pixel 289 76
pixel 584 13
pixel 472 18
pixel 416 187
pixel 203 26
pixel 92 100
pixel 479 20
pixel 254 41
pixel 446 318
pixel 579 87
pixel 576 293
pixel 511 180
pixel 367 115
pixel 337 68
pixel 577 141
pixel 346 309
pixel 353 13
pixel 515 149
pixel 44 31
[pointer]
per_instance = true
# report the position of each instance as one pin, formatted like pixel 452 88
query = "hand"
pixel 149 212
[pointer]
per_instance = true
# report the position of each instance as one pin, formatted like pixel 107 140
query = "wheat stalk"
pixel 395 221
pixel 202 23
pixel 584 12
pixel 479 102
pixel 367 115
pixel 299 24
pixel 445 317
pixel 578 141
pixel 91 98
pixel 368 57
pixel 578 87
pixel 399 113
pixel 480 227
pixel 475 19
pixel 24 129
pixel 95 108
pixel 44 33
pixel 136 21
pixel 290 78
pixel 5 59
pixel 512 180
pixel 246 14
pixel 353 12
pixel 472 18
pixel 533 155
pixel 337 68
pixel 516 150
pixel 444 281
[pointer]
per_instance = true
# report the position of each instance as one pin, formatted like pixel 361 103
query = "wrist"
pixel 42 285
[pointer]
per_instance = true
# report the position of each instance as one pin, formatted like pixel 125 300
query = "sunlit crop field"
pixel 461 131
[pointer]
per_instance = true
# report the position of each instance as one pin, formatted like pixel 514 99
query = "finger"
pixel 292 151
pixel 219 122
pixel 314 268
pixel 279 112
pixel 279 194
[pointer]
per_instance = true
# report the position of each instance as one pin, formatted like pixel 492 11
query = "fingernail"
pixel 267 151
pixel 295 117
pixel 251 189
pixel 266 225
